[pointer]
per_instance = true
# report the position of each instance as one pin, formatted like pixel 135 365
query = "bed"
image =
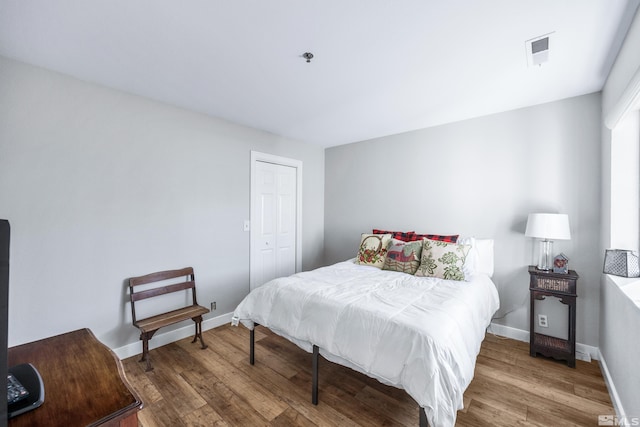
pixel 421 334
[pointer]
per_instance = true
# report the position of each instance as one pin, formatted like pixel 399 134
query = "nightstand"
pixel 562 286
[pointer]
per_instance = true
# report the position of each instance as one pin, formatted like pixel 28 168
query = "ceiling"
pixel 380 67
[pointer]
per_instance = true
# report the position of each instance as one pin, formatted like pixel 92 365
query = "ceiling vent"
pixel 538 50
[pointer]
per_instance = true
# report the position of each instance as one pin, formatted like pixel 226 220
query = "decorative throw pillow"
pixel 373 249
pixel 442 259
pixel 405 236
pixel 403 256
pixel 451 239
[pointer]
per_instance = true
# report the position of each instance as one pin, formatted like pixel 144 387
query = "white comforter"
pixel 419 334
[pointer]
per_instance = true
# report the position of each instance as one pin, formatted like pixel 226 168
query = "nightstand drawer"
pixel 556 282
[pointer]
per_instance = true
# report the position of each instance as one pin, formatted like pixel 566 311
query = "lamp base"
pixel 545 259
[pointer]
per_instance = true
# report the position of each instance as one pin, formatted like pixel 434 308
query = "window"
pixel 625 182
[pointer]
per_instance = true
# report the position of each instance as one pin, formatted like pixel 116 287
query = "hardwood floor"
pixel 218 387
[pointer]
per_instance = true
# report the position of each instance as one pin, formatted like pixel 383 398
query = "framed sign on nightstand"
pixel 561 264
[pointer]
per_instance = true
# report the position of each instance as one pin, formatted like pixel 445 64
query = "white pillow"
pixel 480 258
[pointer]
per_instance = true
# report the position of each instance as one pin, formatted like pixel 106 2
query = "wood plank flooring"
pixel 218 387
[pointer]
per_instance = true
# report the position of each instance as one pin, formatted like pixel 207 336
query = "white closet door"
pixel 274 215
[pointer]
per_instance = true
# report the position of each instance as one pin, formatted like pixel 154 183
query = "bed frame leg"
pixel 252 340
pixel 423 418
pixel 314 369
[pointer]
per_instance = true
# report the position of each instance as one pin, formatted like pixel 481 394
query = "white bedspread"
pixel 419 334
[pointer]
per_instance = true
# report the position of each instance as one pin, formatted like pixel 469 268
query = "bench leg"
pixel 198 321
pixel 145 337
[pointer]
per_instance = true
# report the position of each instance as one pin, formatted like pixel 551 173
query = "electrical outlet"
pixel 542 321
pixel 213 306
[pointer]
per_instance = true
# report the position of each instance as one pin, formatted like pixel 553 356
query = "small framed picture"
pixel 561 264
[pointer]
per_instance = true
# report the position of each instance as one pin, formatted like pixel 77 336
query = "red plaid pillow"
pixel 405 236
pixel 448 239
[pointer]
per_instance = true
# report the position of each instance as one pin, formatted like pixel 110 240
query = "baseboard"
pixel 613 393
pixel 583 351
pixel 168 337
pixel 509 332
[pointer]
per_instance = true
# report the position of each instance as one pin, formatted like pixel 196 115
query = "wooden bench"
pixel 150 325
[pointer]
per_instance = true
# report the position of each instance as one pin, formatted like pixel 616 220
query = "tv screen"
pixel 4 315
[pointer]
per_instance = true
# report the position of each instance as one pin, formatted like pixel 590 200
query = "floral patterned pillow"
pixel 443 260
pixel 403 256
pixel 373 249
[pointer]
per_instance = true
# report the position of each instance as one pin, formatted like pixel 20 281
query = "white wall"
pixel 625 66
pixel 100 186
pixel 620 345
pixel 481 177
pixel 620 319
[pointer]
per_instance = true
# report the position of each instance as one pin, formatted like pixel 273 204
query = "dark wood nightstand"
pixel 562 286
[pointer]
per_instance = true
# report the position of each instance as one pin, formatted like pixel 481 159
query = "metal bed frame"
pixel 314 373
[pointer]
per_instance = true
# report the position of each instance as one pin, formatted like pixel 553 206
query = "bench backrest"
pixel 163 289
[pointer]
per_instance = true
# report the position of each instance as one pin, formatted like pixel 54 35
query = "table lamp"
pixel 548 227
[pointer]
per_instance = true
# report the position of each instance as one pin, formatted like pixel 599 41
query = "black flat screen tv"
pixel 27 389
pixel 4 316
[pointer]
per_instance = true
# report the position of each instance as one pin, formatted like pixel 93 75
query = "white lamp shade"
pixel 548 226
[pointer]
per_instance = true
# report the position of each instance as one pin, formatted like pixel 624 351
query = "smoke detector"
pixel 538 50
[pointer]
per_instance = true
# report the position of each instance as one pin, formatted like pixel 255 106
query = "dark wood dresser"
pixel 83 380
